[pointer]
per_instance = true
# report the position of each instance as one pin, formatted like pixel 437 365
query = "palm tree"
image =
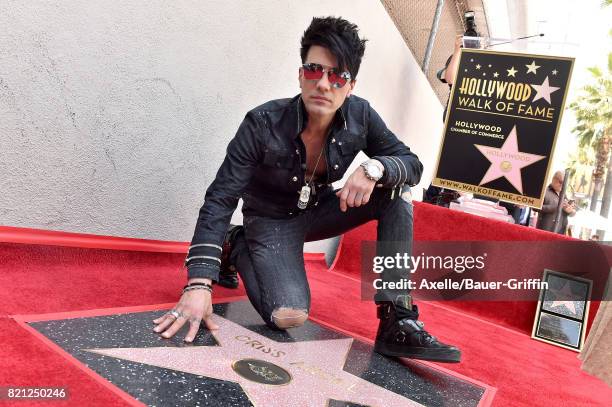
pixel 593 110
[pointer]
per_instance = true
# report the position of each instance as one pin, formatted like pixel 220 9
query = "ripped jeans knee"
pixel 285 317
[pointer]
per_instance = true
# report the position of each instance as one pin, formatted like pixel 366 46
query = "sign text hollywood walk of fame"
pixel 501 125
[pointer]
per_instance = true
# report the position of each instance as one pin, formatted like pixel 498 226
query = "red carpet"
pixel 433 223
pixel 494 336
pixel 36 279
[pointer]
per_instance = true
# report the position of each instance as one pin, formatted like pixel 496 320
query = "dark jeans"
pixel 270 259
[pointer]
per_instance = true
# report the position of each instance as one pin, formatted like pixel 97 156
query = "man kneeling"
pixel 282 162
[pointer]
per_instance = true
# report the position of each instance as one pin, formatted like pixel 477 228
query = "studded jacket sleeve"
pixel 221 199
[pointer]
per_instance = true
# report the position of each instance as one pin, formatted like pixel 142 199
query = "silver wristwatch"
pixel 373 169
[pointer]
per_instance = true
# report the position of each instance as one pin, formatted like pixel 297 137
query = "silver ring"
pixel 175 314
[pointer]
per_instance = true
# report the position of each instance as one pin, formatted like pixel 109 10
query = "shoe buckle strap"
pixel 415 324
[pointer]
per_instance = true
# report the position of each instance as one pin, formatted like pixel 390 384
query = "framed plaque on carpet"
pixel 563 309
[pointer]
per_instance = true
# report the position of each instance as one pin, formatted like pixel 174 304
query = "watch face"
pixel 374 171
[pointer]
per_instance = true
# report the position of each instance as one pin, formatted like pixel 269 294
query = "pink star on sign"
pixel 507 161
pixel 315 368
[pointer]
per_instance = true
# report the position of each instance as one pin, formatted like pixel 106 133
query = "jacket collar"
pixel 299 114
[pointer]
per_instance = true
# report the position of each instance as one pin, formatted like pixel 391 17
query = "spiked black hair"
pixel 340 37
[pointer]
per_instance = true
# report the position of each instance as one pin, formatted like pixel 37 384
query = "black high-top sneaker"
pixel 228 276
pixel 401 334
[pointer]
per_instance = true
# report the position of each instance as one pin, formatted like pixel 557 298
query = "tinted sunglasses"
pixel 337 79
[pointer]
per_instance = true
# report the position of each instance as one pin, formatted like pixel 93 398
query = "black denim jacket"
pixel 265 166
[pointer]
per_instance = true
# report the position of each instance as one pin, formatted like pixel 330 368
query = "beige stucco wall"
pixel 115 115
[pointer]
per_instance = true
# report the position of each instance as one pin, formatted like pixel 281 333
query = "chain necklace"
pixel 305 191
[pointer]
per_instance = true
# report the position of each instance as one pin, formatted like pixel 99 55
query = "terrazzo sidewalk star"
pixel 245 363
pixel 271 373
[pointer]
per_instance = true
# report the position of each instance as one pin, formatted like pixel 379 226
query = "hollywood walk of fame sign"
pixel 501 125
pixel 244 363
pixel 563 310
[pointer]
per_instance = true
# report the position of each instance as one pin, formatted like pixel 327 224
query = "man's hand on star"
pixel 356 191
pixel 193 307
